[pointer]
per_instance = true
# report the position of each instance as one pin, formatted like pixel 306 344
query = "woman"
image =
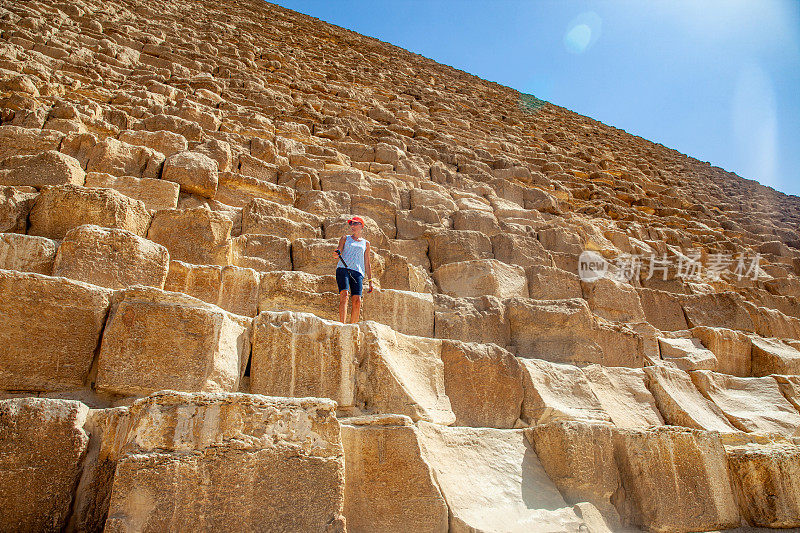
pixel 354 260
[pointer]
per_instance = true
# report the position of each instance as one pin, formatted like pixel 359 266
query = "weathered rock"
pixel 480 320
pixel 662 309
pixel 453 246
pixel 687 353
pixel 198 235
pixel 113 258
pixel 62 208
pixel 613 300
pixel 27 253
pixel 772 356
pixel 721 310
pixel 15 140
pixel 162 141
pixel 50 332
pixel 551 283
pixel 122 159
pixel 523 250
pixel 481 277
pixel 731 348
pixel 195 173
pixel 623 394
pixel 407 312
pixel 231 288
pixel 15 205
pixel 389 487
pixel 163 340
pixel 238 190
pixel 299 354
pixel 299 291
pixel 262 252
pixel 42 444
pixel 155 193
pixel 270 218
pixel 40 170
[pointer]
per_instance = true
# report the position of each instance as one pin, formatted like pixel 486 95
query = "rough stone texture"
pixel 231 288
pixel 155 193
pixel 623 394
pixel 230 455
pixel 407 312
pixel 389 486
pixel 51 330
pixel 27 253
pixel 481 277
pixel 162 340
pixel 196 235
pixel 113 258
pixel 59 209
pixel 262 252
pixel 471 319
pixel 15 205
pixel 731 348
pixel 195 173
pixel 299 354
pixel 119 158
pixel 40 170
pixel 299 291
pixel 15 140
pixel 613 300
pixel 687 353
pixel 42 444
pixel 772 356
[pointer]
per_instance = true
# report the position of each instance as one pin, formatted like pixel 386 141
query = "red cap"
pixel 356 219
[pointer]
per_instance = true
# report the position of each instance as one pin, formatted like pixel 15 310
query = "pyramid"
pixel 573 329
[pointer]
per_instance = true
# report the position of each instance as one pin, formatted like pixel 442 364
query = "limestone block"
pixel 402 374
pixel 231 288
pixel 383 212
pixel 299 354
pixel 219 151
pixel 197 235
pixel 40 170
pixel 238 190
pixel 389 487
pixel 662 309
pixel 556 391
pixel 236 462
pixel 434 199
pixel 323 203
pixel 623 394
pixel 59 209
pixel 156 340
pixel 163 141
pixel 15 140
pixel 481 277
pixel 773 323
pixel 399 273
pixel 15 205
pixel 687 353
pixel 162 122
pixel 766 479
pixel 750 404
pixel 27 253
pixel 42 444
pixel 196 173
pixel 731 348
pixel 155 193
pixel 51 329
pixel 119 158
pixel 721 310
pixel 481 319
pixel 415 251
pixel 675 480
pixel 404 311
pixel 508 490
pixel 681 404
pixel 476 220
pixel 551 283
pixel 613 300
pixel 266 217
pixel 451 246
pixel 772 356
pixel 261 252
pixel 484 384
pixel 256 168
pixel 113 258
pixel 790 387
pixel 299 291
pixel 315 256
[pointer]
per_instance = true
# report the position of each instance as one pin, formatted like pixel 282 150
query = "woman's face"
pixel 356 228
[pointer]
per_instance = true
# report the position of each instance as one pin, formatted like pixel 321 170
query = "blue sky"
pixel 718 80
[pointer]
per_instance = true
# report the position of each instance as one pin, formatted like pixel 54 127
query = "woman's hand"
pixel 370 285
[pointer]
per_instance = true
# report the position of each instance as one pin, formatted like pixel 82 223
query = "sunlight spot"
pixel 582 32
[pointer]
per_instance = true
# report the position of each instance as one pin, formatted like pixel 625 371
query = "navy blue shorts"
pixel 350 280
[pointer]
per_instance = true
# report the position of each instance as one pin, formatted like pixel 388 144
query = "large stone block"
pixel 551 283
pixel 261 252
pixel 389 487
pixel 556 391
pixel 773 356
pixel 471 319
pixel 623 394
pixel 15 205
pixel 119 158
pixel 42 445
pixel 484 384
pixel 402 374
pixel 59 209
pixel 407 312
pixel 162 141
pixel 155 193
pixel 27 253
pixel 40 170
pixel 523 250
pixel 687 353
pixel 299 354
pixel 228 462
pixel 750 404
pixel 482 277
pixel 238 190
pixel 113 258
pixel 731 348
pixel 451 246
pixel 613 300
pixel 299 291
pixel 50 331
pixel 662 309
pixel 399 273
pixel 164 340
pixel 231 288
pixel 15 140
pixel 721 310
pixel 198 235
pixel 195 173
pixel 266 217
pixel 681 404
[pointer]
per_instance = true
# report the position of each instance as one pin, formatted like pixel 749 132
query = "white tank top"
pixel 353 254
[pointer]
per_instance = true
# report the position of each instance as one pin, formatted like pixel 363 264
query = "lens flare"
pixel 582 32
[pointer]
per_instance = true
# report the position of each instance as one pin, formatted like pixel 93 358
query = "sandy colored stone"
pixel 623 394
pixel 236 462
pixel 197 235
pixel 15 140
pixel 119 158
pixel 195 173
pixel 399 273
pixel 64 207
pixel 402 374
pixel 522 250
pixel 731 348
pixel 27 253
pixel 452 246
pixel 551 283
pixel 299 291
pixel 50 330
pixel 40 170
pixel 238 190
pixel 483 383
pixel 613 300
pixel 229 287
pixel 299 354
pixel 404 311
pixel 113 258
pixel 687 353
pixel 721 310
pixel 790 387
pixel 481 277
pixel 750 404
pixel 15 205
pixel 155 193
pixel 157 340
pixel 471 319
pixel 556 391
pixel 42 444
pixel 681 404
pixel 773 356
pixel 266 217
pixel 162 141
pixel 662 309
pixel 261 252
pixel 389 487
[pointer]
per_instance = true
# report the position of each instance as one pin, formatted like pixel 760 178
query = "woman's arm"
pixel 340 248
pixel 368 265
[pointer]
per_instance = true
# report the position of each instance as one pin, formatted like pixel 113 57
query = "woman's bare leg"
pixel 355 309
pixel 342 306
